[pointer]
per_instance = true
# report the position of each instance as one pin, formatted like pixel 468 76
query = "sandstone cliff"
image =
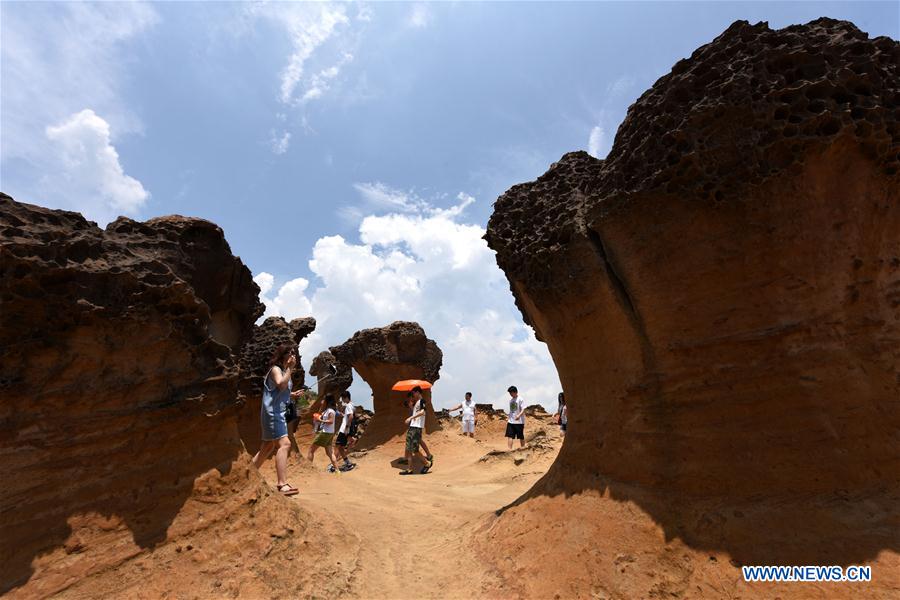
pixel 118 404
pixel 721 297
pixel 383 356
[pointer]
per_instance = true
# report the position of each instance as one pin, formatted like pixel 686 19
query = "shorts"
pixel 468 426
pixel 413 439
pixel 562 427
pixel 323 439
pixel 341 439
pixel 515 430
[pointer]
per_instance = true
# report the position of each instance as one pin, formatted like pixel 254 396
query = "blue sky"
pixel 332 142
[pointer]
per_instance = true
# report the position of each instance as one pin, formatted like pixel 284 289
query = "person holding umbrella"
pixel 416 422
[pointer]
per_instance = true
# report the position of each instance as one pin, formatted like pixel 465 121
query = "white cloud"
pixel 421 263
pixel 598 144
pixel 280 144
pixel 89 171
pixel 364 12
pixel 321 81
pixel 378 197
pixel 420 16
pixel 56 59
pixel 309 26
pixel 290 302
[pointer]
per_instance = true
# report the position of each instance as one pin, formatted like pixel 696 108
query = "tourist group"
pixel 278 418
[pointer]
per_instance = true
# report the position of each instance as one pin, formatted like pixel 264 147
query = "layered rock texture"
pixel 256 355
pixel 383 356
pixel 118 391
pixel 721 297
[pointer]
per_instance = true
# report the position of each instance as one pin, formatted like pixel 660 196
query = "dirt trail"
pixel 411 532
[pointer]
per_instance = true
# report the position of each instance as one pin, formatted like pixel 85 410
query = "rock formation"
pixel 384 356
pixel 333 377
pixel 721 297
pixel 254 364
pixel 331 381
pixel 118 395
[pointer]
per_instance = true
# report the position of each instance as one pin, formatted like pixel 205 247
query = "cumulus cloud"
pixel 598 145
pixel 89 170
pixel 290 302
pixel 422 263
pixel 56 60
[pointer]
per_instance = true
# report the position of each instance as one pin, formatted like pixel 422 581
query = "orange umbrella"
pixel 408 384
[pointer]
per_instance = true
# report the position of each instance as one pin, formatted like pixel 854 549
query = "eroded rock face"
pixel 721 296
pixel 383 356
pixel 254 365
pixel 330 381
pixel 117 390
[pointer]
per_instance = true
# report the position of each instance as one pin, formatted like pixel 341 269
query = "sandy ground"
pixel 373 534
pixel 409 534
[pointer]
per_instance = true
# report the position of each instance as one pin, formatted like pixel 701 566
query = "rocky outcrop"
pixel 332 375
pixel 118 393
pixel 383 356
pixel 254 365
pixel 721 297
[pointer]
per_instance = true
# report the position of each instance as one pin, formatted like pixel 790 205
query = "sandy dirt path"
pixel 412 531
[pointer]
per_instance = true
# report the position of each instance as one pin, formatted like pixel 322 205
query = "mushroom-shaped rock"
pixel 383 356
pixel 255 358
pixel 721 297
pixel 118 392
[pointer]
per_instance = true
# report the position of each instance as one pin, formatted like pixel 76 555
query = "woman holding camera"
pixel 276 392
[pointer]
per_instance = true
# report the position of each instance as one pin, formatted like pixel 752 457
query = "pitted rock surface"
pixel 257 352
pixel 383 356
pixel 330 383
pixel 749 105
pixel 118 391
pixel 721 298
pixel 254 365
pixel 400 343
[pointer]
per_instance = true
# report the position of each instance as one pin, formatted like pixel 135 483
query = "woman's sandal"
pixel 287 489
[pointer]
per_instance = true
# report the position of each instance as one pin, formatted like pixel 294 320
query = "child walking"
pixel 325 427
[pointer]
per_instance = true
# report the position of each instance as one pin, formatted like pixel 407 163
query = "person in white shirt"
pixel 416 422
pixel 469 416
pixel 325 427
pixel 515 425
pixel 345 431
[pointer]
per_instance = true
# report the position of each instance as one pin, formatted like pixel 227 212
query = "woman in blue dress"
pixel 276 391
